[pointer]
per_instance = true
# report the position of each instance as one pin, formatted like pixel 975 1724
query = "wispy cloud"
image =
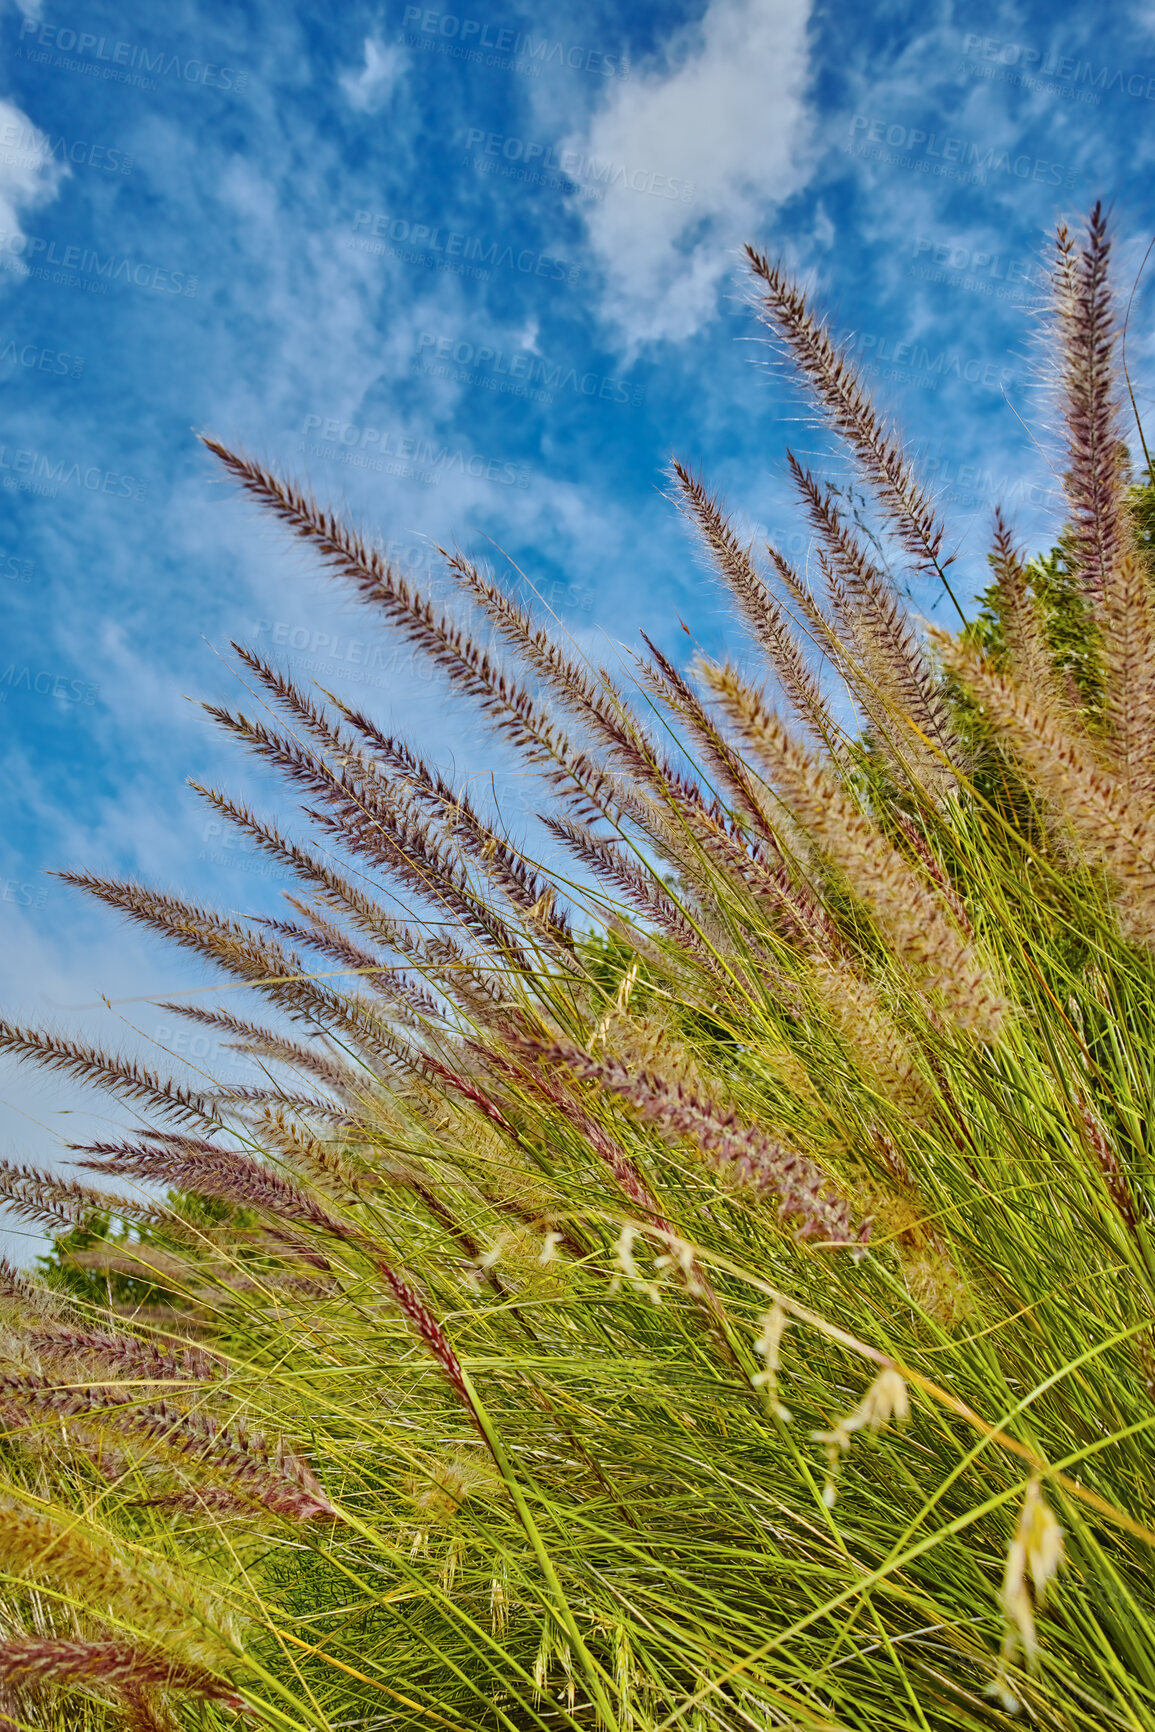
pixel 370 89
pixel 691 152
pixel 30 175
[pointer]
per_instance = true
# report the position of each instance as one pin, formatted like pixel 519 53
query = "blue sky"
pixel 476 275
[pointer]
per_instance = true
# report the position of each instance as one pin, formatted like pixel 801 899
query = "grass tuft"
pixel 691 1265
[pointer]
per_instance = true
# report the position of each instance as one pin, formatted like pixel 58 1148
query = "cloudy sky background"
pixel 477 275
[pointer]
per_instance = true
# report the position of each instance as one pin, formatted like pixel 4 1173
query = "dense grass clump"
pixel 709 1286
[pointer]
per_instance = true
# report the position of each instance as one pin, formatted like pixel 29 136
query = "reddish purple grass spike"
pixel 756 1160
pixel 37 1660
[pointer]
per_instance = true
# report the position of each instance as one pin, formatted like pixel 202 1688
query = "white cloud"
pixel 29 174
pixel 727 114
pixel 371 88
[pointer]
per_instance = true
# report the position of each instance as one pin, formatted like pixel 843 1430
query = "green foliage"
pixel 1067 617
pixel 77 1261
pixel 98 1286
pixel 1076 658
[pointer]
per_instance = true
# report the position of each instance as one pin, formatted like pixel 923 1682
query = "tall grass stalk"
pixel 689 1265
